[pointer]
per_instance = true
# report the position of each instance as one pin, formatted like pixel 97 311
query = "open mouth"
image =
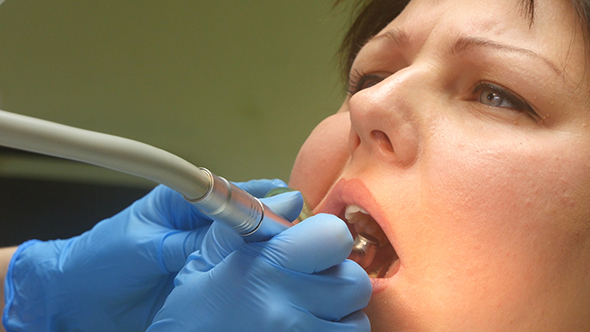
pixel 372 249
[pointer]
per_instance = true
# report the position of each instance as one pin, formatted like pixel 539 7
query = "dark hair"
pixel 371 16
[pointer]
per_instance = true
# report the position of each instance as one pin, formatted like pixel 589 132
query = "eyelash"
pixel 517 103
pixel 359 79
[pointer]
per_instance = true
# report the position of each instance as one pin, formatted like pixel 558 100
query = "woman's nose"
pixel 384 119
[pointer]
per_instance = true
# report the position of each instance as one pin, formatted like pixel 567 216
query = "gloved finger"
pixel 299 319
pixel 175 248
pixel 284 299
pixel 221 240
pixel 259 188
pixel 331 294
pixel 166 207
pixel 317 243
pixel 288 204
pixel 357 321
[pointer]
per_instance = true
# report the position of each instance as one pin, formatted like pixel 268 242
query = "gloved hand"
pixel 297 281
pixel 116 276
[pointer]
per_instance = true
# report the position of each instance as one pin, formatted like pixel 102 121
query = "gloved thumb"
pixel 314 245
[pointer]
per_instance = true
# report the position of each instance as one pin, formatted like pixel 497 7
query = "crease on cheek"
pixel 321 158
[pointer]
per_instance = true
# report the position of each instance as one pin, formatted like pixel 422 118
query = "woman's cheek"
pixel 321 158
pixel 509 206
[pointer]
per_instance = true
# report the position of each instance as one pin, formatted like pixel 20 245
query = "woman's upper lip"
pixel 346 192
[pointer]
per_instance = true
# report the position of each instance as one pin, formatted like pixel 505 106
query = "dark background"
pixel 46 209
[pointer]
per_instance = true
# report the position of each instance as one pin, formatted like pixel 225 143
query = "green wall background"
pixel 232 85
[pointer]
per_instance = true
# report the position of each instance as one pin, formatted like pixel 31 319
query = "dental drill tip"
pixel 364 249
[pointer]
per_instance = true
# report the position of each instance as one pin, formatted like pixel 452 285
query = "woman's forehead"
pixel 515 11
pixel 554 30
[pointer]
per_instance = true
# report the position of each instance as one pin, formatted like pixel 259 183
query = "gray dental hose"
pixel 213 195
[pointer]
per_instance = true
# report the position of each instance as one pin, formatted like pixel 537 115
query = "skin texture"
pixel 5 256
pixel 487 205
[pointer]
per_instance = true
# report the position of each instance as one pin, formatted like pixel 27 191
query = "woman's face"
pixel 465 136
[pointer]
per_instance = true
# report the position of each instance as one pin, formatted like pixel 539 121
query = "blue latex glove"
pixel 116 276
pixel 297 281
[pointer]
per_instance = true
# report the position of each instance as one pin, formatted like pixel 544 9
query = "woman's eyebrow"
pixel 396 35
pixel 400 38
pixel 466 44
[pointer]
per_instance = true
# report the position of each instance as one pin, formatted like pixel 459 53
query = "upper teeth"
pixel 364 223
pixel 351 210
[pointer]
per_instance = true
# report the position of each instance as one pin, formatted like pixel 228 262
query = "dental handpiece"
pixel 215 196
pixel 245 214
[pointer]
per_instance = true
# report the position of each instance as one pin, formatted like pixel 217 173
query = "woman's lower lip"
pixel 380 284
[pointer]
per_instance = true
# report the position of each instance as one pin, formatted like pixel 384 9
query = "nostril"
pixel 382 140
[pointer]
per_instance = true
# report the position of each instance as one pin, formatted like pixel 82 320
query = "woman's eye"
pixel 496 96
pixel 359 81
pixel 493 98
